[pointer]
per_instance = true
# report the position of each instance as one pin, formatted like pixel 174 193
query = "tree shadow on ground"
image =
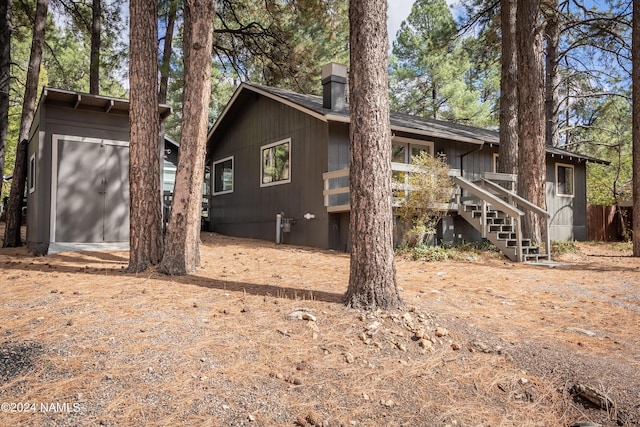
pixel 258 289
pixel 79 263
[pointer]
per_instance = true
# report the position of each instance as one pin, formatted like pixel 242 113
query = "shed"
pixel 78 170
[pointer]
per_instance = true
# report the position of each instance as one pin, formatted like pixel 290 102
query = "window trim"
pixel 233 176
pixel 573 178
pixel 410 143
pixel 165 169
pixel 496 156
pixel 266 147
pixel 32 173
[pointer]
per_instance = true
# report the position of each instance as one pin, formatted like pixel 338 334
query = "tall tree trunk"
pixel 182 254
pixel 372 278
pixel 14 208
pixel 94 66
pixel 635 55
pixel 531 169
pixel 145 238
pixel 434 101
pixel 167 50
pixel 552 77
pixel 508 151
pixel 5 80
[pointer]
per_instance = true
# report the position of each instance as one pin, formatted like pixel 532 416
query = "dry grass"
pixel 216 348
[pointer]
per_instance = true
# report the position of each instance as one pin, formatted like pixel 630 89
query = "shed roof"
pixel 312 105
pixel 89 102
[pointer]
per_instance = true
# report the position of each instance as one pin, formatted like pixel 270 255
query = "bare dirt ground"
pixel 481 342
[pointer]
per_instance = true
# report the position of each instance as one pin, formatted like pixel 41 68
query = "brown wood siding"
pixel 250 211
pixel 604 223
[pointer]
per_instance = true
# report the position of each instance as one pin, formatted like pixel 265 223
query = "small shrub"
pixel 623 246
pixel 561 248
pixel 425 192
pixel 414 236
pixel 429 253
pixel 462 251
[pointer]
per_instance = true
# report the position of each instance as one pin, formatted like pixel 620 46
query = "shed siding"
pixel 568 214
pixel 52 120
pixel 250 210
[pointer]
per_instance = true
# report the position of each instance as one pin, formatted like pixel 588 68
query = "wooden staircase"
pixel 496 213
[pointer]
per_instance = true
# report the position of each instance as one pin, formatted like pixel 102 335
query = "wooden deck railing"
pixel 513 199
pixel 332 188
pixel 488 199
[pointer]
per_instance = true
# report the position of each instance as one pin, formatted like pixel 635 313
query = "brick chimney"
pixel 334 81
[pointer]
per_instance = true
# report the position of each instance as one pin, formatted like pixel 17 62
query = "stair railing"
pixel 497 203
pixel 518 201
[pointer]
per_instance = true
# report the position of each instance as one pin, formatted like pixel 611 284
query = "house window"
pixel 496 159
pixel 32 173
pixel 403 149
pixel 223 176
pixel 275 163
pixel 398 153
pixel 564 180
pixel 169 177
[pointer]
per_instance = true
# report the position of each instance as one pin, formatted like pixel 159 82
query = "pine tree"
pixel 5 69
pixel 146 240
pixel 14 208
pixel 182 252
pixel 96 37
pixel 508 150
pixel 635 52
pixel 531 162
pixel 372 277
pixel 428 72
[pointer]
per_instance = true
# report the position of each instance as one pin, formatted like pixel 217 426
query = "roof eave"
pixel 267 94
pixel 107 103
pixel 345 119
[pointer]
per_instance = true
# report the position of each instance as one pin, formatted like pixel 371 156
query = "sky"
pixel 398 11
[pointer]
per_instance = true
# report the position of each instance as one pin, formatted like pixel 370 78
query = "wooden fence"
pixel 607 223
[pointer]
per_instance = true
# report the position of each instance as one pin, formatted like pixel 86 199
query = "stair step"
pixel 497 221
pixel 535 257
pixel 526 243
pixel 501 231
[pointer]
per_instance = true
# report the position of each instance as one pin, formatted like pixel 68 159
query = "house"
pixel 279 171
pixel 78 170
